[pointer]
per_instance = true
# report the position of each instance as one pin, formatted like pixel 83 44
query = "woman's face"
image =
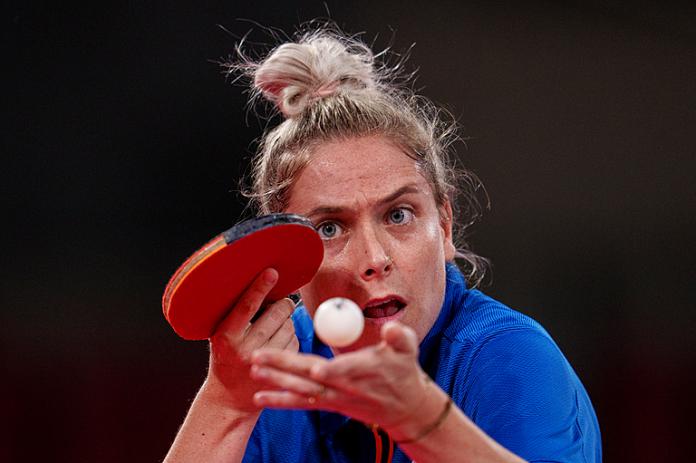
pixel 385 240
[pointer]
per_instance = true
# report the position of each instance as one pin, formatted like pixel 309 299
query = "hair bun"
pixel 319 66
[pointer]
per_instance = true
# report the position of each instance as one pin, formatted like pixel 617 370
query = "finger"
pixel 290 400
pixel 299 364
pixel 354 365
pixel 283 336
pixel 286 381
pixel 400 337
pixel 249 303
pixel 275 318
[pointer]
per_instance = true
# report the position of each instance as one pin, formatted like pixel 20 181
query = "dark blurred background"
pixel 123 144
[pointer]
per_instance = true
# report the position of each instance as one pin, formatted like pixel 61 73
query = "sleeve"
pixel 524 394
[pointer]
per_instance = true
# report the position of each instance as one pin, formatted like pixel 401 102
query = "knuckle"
pixel 280 312
pixel 258 293
pixel 255 295
pixel 276 316
pixel 260 334
pixel 248 304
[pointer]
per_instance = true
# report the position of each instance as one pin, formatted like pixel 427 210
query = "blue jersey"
pixel 500 367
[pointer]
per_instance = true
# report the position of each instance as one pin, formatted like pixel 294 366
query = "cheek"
pixel 326 283
pixel 433 232
pixel 428 247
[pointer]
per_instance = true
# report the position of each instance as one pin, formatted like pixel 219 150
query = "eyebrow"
pixel 404 190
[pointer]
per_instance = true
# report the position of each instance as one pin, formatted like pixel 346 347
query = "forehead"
pixel 342 171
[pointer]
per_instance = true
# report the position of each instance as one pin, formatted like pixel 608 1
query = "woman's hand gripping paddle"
pixel 206 286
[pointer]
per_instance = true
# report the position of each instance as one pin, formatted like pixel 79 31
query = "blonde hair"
pixel 329 86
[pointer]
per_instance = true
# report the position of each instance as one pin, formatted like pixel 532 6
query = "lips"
pixel 383 307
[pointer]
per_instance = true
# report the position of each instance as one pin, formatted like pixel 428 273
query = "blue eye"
pixel 328 230
pixel 400 216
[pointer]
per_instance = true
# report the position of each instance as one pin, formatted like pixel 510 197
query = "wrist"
pixel 214 394
pixel 429 415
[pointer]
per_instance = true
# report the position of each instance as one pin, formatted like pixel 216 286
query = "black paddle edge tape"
pixel 250 226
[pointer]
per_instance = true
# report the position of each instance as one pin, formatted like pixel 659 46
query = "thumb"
pixel 400 337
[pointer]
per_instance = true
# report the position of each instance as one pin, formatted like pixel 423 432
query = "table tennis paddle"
pixel 207 285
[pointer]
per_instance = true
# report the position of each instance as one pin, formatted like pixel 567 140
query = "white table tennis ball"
pixel 338 322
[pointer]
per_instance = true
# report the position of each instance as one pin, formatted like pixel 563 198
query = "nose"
pixel 374 260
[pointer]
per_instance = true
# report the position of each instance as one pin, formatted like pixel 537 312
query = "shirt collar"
pixel 455 290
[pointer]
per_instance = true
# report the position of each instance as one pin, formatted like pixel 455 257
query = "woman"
pixel 441 371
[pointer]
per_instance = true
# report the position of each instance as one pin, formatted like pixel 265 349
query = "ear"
pixel 446 219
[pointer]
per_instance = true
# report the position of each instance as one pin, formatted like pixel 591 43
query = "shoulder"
pixel 480 324
pixel 470 319
pixel 480 317
pixel 509 376
pixel 521 390
pixel 487 340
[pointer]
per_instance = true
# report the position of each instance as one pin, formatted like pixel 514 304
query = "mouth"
pixel 383 307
